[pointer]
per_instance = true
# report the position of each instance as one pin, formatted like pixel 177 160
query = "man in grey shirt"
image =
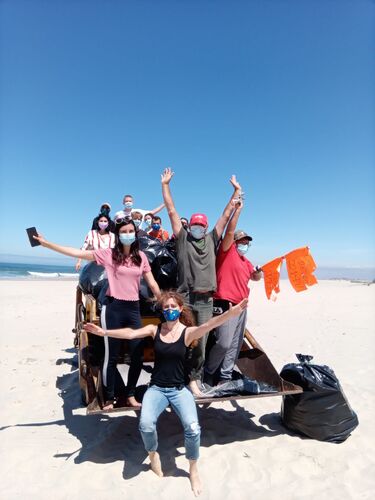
pixel 196 256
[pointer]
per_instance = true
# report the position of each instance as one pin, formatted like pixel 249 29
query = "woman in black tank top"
pixel 167 386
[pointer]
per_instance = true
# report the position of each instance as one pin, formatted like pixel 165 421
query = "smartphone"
pixel 31 231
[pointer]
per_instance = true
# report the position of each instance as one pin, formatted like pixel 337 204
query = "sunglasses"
pixel 126 220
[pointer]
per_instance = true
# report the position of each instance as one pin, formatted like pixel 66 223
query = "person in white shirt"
pixel 98 238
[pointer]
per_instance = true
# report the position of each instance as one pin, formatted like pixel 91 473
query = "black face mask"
pixel 105 211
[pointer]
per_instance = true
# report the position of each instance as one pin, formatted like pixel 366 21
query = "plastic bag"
pixel 92 279
pixel 163 261
pixel 322 411
pixel 241 386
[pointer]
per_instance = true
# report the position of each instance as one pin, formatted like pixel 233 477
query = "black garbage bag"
pixel 241 386
pixel 163 261
pixel 92 279
pixel 322 411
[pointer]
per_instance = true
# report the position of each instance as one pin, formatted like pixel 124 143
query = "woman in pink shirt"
pixel 125 265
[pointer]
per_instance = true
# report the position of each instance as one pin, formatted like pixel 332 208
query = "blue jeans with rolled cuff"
pixel 155 401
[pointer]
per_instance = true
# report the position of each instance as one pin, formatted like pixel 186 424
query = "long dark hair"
pixel 107 229
pixel 118 255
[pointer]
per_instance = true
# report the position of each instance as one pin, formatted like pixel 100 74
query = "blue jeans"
pixel 155 401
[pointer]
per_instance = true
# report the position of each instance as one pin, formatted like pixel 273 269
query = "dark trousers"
pixel 120 314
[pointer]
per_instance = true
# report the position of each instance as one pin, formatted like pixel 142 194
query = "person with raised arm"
pixel 125 265
pixel 196 254
pixel 167 385
pixel 233 272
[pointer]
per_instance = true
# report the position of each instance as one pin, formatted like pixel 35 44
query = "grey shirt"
pixel 196 262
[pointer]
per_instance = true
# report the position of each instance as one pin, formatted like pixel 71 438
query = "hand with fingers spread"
pixel 167 175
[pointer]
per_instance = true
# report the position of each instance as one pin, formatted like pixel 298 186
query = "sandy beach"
pixel 51 449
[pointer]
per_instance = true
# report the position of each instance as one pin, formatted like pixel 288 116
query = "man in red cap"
pixel 196 255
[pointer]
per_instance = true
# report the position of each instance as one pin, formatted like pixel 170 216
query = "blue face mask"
pixel 137 222
pixel 171 314
pixel 128 204
pixel 148 222
pixel 156 227
pixel 197 232
pixel 242 248
pixel 127 238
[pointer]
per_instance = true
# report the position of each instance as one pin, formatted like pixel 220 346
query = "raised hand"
pixel 235 183
pixel 167 175
pixel 95 329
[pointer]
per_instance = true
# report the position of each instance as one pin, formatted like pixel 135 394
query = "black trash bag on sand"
pixel 243 386
pixel 322 411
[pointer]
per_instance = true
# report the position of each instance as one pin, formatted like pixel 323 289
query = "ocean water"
pixel 41 271
pixel 36 271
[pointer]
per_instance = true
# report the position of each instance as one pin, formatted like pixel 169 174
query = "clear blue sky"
pixel 97 97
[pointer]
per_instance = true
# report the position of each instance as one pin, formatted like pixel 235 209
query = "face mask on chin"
pixel 127 238
pixel 197 232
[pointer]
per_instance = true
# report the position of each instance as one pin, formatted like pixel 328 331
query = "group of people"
pixel 211 269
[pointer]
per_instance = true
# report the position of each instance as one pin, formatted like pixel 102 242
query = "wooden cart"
pixel 253 362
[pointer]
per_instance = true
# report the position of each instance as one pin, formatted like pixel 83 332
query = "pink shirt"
pixel 124 280
pixel 233 272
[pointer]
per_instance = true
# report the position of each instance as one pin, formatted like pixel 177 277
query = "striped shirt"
pixel 96 241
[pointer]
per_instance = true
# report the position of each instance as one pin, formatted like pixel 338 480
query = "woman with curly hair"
pixel 167 385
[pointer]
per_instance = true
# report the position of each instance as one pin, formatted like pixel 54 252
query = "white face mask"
pixel 127 238
pixel 242 248
pixel 197 231
pixel 128 204
pixel 137 222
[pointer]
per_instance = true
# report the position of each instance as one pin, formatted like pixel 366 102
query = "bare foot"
pixel 108 405
pixel 131 401
pixel 155 463
pixel 193 386
pixel 195 481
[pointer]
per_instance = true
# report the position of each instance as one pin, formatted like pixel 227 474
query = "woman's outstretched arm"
pixel 122 333
pixel 70 251
pixel 196 332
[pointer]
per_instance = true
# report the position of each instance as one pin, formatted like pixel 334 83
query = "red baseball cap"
pixel 200 219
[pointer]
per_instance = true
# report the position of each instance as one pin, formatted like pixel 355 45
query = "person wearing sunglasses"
pixel 125 265
pixel 233 272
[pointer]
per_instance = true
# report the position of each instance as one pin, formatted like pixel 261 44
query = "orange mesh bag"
pixel 271 276
pixel 300 266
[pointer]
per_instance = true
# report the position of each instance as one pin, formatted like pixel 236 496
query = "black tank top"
pixel 169 367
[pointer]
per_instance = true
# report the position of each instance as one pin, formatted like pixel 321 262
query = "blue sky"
pixel 97 97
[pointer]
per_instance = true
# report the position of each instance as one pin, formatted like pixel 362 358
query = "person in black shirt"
pixel 167 387
pixel 104 210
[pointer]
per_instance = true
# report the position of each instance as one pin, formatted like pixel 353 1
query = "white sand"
pixel 47 451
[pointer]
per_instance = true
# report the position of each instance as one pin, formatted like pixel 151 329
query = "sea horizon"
pixel 25 270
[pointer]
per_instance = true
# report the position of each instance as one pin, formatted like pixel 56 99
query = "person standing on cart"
pixel 233 272
pixel 196 254
pixel 125 265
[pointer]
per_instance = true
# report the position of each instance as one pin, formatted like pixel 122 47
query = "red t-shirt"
pixel 159 234
pixel 233 272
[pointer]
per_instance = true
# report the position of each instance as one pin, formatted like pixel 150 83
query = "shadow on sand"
pixel 106 438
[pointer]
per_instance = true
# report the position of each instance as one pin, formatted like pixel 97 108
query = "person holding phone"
pixel 125 265
pixel 167 386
